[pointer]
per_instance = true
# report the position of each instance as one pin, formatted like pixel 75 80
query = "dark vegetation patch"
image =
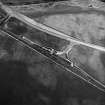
pixel 17 87
pixel 27 2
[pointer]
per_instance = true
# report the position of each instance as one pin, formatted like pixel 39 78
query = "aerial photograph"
pixel 52 52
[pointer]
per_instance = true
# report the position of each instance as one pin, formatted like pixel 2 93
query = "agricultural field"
pixel 52 84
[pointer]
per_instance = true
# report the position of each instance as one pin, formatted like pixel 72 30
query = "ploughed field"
pixel 88 28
